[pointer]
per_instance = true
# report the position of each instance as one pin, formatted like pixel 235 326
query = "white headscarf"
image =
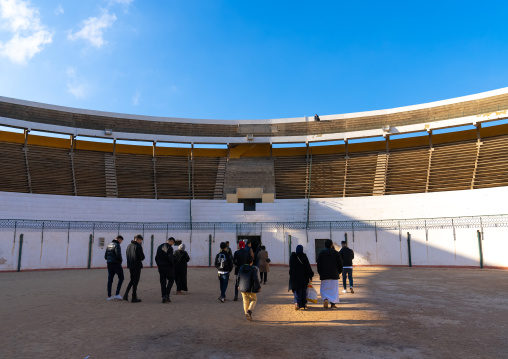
pixel 181 247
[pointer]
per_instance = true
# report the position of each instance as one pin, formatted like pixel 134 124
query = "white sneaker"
pixel 344 291
pixel 110 298
pixel 118 296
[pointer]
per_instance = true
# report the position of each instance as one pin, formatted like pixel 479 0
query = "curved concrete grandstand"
pixel 418 185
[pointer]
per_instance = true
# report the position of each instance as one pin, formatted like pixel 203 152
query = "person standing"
pixel 263 264
pixel 249 286
pixel 135 257
pixel 224 265
pixel 166 266
pixel 347 255
pixel 229 249
pixel 181 259
pixel 239 260
pixel 300 273
pixel 113 256
pixel 329 267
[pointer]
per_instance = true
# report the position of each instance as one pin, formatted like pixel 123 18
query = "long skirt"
pixel 300 297
pixel 330 290
pixel 181 279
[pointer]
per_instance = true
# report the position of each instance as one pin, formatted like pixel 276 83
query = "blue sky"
pixel 249 60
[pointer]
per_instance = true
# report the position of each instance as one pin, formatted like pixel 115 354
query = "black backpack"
pixel 221 262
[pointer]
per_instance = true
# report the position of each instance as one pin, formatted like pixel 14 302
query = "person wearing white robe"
pixel 329 267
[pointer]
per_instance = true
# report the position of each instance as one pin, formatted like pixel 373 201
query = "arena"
pixel 417 192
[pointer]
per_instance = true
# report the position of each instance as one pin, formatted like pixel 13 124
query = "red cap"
pixel 241 244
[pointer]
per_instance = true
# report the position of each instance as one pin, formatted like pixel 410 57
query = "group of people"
pixel 248 267
pixel 251 269
pixel 172 267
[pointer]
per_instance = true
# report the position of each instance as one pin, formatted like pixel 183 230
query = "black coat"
pixel 239 259
pixel 248 279
pixel 229 261
pixel 347 256
pixel 329 264
pixel 181 259
pixel 164 256
pixel 135 255
pixel 113 253
pixel 300 271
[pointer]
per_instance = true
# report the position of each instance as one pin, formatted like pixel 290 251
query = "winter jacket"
pixel 329 264
pixel 239 259
pixel 263 264
pixel 113 253
pixel 135 255
pixel 164 256
pixel 347 256
pixel 228 261
pixel 300 271
pixel 248 279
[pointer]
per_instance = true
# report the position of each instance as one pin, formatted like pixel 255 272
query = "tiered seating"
pixel 360 174
pixel 407 170
pixel 134 176
pixel 204 176
pixel 13 176
pixel 89 173
pixel 50 170
pixel 327 178
pixel 290 177
pixel 172 176
pixel 452 166
pixel 492 169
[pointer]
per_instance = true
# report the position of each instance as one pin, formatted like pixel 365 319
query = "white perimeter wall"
pixel 60 248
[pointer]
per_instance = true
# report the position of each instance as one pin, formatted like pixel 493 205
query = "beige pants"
pixel 249 301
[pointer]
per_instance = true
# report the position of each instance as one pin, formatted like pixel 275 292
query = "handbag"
pixel 268 260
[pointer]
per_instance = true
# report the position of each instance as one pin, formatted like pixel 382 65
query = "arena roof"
pixel 473 109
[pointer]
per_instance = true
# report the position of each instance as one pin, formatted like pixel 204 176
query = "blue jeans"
pixel 223 280
pixel 347 272
pixel 115 269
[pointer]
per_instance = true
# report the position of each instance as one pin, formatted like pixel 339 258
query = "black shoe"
pixel 249 315
pixel 333 305
pixel 166 299
pixel 126 297
pixel 235 299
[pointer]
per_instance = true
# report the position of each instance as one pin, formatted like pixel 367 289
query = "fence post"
pixel 479 235
pixel 345 237
pixel 90 251
pixel 289 245
pixel 20 248
pixel 151 252
pixel 210 250
pixel 409 248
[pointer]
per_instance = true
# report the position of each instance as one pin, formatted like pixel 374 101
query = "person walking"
pixel 224 265
pixel 239 260
pixel 229 249
pixel 264 266
pixel 300 273
pixel 113 257
pixel 329 267
pixel 249 286
pixel 166 266
pixel 181 259
pixel 347 255
pixel 135 257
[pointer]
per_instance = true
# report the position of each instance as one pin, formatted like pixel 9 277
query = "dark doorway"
pixel 255 240
pixel 320 245
pixel 249 204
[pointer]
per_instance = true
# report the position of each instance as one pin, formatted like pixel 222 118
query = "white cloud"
pixel 59 10
pixel 92 29
pixel 23 23
pixel 75 86
pixel 136 98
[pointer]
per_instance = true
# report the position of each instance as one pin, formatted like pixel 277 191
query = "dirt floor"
pixel 394 313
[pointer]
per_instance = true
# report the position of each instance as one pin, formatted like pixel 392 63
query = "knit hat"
pixel 241 244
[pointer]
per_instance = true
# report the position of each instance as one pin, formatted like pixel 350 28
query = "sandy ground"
pixel 394 313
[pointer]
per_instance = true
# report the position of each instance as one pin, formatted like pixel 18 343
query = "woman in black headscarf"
pixel 181 259
pixel 300 273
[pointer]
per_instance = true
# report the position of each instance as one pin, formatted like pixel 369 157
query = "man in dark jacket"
pixel 224 265
pixel 166 266
pixel 329 267
pixel 239 260
pixel 135 257
pixel 113 256
pixel 347 256
pixel 248 285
